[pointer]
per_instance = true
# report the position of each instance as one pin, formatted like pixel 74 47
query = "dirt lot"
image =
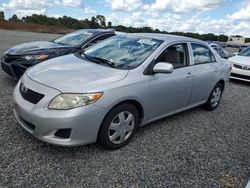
pixel 196 148
pixel 20 26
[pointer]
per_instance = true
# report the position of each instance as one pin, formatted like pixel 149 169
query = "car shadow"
pixel 240 82
pixel 8 81
pixel 50 149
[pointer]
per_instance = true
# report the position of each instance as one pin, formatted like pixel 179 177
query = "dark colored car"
pixel 221 51
pixel 19 58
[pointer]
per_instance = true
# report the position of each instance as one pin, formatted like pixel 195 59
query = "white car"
pixel 240 64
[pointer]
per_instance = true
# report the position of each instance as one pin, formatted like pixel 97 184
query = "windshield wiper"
pixel 99 60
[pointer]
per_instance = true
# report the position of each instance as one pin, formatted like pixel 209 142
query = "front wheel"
pixel 119 126
pixel 214 97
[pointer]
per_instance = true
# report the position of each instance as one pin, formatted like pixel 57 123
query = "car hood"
pixel 34 47
pixel 72 74
pixel 240 59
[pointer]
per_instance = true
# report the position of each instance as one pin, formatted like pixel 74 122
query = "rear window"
pixel 202 54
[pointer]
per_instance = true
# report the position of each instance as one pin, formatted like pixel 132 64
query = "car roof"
pixel 167 37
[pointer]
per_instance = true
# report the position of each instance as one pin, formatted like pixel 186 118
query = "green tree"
pixel 94 23
pixel 14 18
pixel 2 15
pixel 109 24
pixel 101 20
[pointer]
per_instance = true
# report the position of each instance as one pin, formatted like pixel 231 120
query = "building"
pixel 236 40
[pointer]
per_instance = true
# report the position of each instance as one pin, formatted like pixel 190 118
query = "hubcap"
pixel 216 97
pixel 121 127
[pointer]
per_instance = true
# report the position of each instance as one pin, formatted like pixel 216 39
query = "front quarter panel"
pixel 135 87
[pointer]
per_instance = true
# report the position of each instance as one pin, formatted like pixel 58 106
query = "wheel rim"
pixel 121 127
pixel 216 97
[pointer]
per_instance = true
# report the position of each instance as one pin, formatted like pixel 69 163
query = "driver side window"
pixel 174 54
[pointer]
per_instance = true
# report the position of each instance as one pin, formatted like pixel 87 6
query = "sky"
pixel 230 17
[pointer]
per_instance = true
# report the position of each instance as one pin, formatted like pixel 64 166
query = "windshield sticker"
pixel 147 42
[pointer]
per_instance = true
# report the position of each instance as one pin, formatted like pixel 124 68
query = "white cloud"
pixel 183 5
pixel 243 14
pixel 70 3
pixel 25 4
pixel 124 5
pixel 22 13
pixel 88 10
pixel 28 7
pixel 168 15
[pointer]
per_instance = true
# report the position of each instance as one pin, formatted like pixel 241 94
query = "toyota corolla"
pixel 105 93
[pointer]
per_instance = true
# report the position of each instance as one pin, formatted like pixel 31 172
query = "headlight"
pixel 68 101
pixel 36 57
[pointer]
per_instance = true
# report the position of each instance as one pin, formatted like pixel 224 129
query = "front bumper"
pixel 240 74
pixel 38 120
pixel 14 67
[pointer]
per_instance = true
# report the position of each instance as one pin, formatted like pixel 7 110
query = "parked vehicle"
pixel 241 65
pixel 221 51
pixel 19 58
pixel 117 85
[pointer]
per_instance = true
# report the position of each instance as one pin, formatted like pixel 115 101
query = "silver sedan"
pixel 106 92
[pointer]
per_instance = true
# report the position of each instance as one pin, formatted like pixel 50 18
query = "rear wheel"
pixel 119 126
pixel 215 97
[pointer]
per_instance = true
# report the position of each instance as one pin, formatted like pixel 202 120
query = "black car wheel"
pixel 214 97
pixel 119 126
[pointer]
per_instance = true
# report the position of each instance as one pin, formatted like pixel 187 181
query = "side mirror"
pixel 163 67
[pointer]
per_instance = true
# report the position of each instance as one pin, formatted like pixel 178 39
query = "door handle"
pixel 189 75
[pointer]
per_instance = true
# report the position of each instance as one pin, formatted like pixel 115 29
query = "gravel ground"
pixel 192 149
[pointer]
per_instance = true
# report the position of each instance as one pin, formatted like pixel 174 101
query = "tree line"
pixel 100 21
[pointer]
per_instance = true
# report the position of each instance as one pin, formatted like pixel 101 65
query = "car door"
pixel 205 72
pixel 170 92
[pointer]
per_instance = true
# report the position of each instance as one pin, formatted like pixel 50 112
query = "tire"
pixel 119 126
pixel 214 97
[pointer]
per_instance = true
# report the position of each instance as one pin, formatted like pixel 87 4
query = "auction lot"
pixel 196 148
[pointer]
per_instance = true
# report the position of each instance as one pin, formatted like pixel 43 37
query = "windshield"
pixel 74 39
pixel 245 52
pixel 125 52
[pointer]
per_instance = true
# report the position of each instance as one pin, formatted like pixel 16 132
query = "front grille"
pixel 7 69
pixel 30 95
pixel 9 58
pixel 18 70
pixel 240 76
pixel 243 67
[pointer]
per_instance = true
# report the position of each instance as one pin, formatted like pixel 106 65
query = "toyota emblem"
pixel 23 88
pixel 246 67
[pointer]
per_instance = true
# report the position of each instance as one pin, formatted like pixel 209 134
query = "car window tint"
pixel 245 52
pixel 202 54
pixel 174 54
pixel 98 39
pixel 102 37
